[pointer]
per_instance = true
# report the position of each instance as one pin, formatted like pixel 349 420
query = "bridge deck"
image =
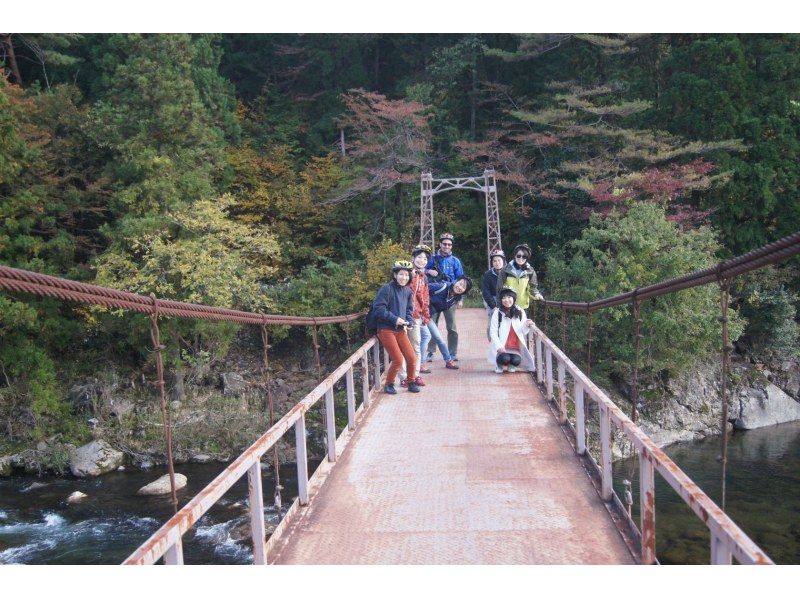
pixel 472 470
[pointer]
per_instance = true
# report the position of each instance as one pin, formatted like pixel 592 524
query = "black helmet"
pixel 506 290
pixel 402 265
pixel 421 249
pixel 466 279
pixel 524 247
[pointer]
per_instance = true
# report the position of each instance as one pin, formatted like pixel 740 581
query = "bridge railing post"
pixel 302 463
pixel 539 364
pixel 580 419
pixel 720 551
pixel 174 554
pixel 256 500
pixel 562 393
pixel 330 425
pixel 351 400
pixel 365 379
pixel 549 358
pixel 376 364
pixel 647 509
pixel 605 455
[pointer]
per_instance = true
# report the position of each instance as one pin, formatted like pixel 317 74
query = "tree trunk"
pixel 12 58
pixel 473 100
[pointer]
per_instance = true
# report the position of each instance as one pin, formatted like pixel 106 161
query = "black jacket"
pixel 392 302
pixel 489 287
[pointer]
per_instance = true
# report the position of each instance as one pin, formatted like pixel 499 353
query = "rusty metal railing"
pixel 167 541
pixel 727 539
pixel 23 281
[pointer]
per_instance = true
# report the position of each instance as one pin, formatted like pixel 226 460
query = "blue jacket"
pixel 392 302
pixel 449 266
pixel 441 299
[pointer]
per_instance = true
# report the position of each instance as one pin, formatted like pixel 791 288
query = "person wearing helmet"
pixel 507 331
pixel 444 266
pixel 394 307
pixel 419 333
pixel 497 260
pixel 520 276
pixel 444 295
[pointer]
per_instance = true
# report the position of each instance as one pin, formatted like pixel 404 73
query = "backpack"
pixel 371 322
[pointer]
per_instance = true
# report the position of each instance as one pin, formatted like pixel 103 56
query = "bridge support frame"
pixel 485 184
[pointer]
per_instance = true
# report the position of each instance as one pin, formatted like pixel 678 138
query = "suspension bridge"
pixel 475 469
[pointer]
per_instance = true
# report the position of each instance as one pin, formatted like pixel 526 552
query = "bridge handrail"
pixel 727 539
pixel 24 281
pixel 753 260
pixel 166 541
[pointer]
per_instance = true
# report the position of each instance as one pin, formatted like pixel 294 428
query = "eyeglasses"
pixel 522 255
pixel 447 244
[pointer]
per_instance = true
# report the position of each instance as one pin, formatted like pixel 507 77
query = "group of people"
pixel 406 311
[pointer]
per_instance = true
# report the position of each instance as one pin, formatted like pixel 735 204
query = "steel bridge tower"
pixel 485 184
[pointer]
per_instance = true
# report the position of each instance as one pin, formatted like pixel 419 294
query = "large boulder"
pixel 233 385
pixel 767 407
pixel 6 468
pixel 93 459
pixel 161 486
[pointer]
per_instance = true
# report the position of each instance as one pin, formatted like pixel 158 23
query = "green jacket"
pixel 523 282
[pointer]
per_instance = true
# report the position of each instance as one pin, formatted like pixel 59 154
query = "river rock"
pixel 233 385
pixel 759 408
pixel 75 497
pixel 161 486
pixel 93 459
pixel 201 458
pixel 84 397
pixel 6 466
pixel 120 407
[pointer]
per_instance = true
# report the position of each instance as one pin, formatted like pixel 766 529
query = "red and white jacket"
pixel 421 297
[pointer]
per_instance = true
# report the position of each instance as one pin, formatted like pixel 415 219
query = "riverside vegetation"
pixel 279 173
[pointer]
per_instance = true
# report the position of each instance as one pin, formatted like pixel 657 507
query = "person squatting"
pixel 405 312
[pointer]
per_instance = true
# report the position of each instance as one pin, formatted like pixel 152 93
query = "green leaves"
pixel 621 253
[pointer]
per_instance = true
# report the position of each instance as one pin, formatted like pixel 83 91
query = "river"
pixel 37 526
pixel 762 494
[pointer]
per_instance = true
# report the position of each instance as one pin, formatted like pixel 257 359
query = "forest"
pixel 280 173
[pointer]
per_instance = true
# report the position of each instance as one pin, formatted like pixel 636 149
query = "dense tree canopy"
pixel 281 172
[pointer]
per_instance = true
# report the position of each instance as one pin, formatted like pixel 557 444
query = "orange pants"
pixel 398 346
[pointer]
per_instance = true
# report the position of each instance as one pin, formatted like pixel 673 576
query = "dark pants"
pixel 452 333
pixel 508 359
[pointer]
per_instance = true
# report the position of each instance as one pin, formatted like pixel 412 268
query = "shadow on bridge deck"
pixel 472 470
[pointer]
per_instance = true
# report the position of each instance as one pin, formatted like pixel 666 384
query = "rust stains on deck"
pixel 472 470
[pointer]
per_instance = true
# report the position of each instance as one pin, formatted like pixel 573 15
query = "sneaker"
pixel 389 389
pixel 453 358
pixel 451 365
pixel 498 369
pixel 424 370
pixel 404 383
pixel 429 358
pixel 413 387
pixel 418 381
pixel 512 369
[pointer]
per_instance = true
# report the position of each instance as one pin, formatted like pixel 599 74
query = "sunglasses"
pixel 447 244
pixel 522 255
